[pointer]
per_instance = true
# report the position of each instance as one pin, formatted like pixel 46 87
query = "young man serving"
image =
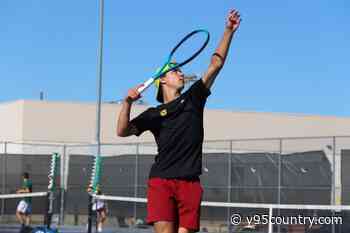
pixel 174 191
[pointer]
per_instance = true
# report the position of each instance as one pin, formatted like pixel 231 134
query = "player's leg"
pixel 102 216
pixel 161 206
pixel 28 214
pixel 20 218
pixel 20 211
pixel 101 219
pixel 189 197
pixel 28 219
pixel 184 230
pixel 165 227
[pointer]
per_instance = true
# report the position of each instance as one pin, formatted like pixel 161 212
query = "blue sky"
pixel 288 56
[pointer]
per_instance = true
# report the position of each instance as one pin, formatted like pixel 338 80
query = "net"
pixel 244 217
pixel 9 204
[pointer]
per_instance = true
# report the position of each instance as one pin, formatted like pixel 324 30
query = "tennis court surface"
pixel 6 228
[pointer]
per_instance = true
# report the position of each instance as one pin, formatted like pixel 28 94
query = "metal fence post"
pixel 4 171
pixel 136 179
pixel 229 186
pixel 279 182
pixel 62 184
pixel 333 180
pixel 334 172
pixel 270 230
pixel 279 172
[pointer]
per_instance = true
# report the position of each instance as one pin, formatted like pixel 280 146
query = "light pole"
pixel 99 79
pixel 98 105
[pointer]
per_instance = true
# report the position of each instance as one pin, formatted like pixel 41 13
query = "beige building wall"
pixel 69 122
pixel 235 125
pixel 11 124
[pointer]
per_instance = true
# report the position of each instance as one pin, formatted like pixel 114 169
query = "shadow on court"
pixel 77 229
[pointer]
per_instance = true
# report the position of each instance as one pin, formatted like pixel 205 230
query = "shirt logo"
pixel 182 101
pixel 163 113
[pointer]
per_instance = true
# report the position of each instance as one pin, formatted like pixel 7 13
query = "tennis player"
pixel 100 208
pixel 24 207
pixel 174 191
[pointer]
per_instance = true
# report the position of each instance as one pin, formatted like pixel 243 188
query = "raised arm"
pixel 218 58
pixel 124 128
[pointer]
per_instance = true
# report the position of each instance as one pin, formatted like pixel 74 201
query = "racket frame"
pixel 159 74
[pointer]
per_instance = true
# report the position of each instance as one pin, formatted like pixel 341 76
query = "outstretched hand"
pixel 233 20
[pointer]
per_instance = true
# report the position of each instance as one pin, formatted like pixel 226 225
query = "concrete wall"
pixel 11 124
pixel 69 122
pixel 235 125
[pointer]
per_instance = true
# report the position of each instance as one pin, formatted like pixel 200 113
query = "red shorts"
pixel 174 200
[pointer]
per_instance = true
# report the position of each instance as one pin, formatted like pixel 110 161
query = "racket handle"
pixel 145 85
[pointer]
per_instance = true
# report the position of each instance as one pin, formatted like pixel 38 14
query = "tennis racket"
pixel 182 53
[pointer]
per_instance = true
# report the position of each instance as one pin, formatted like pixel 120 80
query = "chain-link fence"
pixel 276 171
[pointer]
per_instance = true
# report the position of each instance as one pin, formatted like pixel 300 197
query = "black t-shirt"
pixel 177 127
